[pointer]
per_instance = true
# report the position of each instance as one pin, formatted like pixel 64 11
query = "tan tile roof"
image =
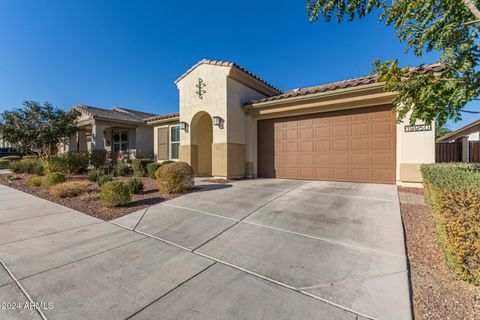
pixel 227 64
pixel 340 84
pixel 163 117
pixel 119 114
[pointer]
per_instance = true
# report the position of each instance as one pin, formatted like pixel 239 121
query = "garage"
pixel 349 145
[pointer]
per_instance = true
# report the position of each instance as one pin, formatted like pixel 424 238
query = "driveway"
pixel 253 249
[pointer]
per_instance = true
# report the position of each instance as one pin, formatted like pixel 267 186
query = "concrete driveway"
pixel 253 249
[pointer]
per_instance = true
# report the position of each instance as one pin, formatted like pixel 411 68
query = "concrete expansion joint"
pixel 49 234
pixel 25 293
pixel 86 257
pixel 22 219
pixel 171 290
pixel 323 285
pixel 243 218
pixel 341 243
pixel 143 215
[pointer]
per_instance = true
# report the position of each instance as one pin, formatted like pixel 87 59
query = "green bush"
pixel 12 158
pixel 68 189
pixel 453 193
pixel 69 163
pixel 152 168
pixel 98 158
pixel 31 166
pixel 4 164
pixel 35 181
pixel 122 169
pixel 115 194
pixel 136 185
pixel 104 178
pixel 140 167
pixel 93 175
pixel 176 177
pixel 53 179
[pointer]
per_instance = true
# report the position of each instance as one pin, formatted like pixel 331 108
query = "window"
pixel 120 141
pixel 174 141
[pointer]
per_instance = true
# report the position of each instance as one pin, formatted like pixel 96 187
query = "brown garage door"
pixel 349 145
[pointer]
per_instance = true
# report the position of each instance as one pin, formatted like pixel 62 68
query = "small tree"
pixel 450 27
pixel 38 128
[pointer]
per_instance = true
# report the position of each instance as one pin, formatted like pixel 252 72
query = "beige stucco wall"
pixel 156 126
pixel 413 149
pixel 227 89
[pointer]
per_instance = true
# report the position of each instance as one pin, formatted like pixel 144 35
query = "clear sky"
pixel 128 53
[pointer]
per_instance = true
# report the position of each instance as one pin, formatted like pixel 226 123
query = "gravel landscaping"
pixel 89 201
pixel 436 292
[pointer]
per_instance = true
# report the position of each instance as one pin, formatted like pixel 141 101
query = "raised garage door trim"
pixel 348 145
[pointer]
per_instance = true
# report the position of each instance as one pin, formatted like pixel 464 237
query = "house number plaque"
pixel 418 127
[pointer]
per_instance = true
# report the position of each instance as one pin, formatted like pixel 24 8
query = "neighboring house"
pixel 118 130
pixel 233 124
pixel 470 132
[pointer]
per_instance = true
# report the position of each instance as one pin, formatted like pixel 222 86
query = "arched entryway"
pixel 202 137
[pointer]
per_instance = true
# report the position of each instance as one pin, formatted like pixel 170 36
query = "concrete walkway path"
pixel 254 249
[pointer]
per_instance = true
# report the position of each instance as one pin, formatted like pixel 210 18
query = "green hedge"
pixel 115 194
pixel 453 193
pixel 31 166
pixel 139 167
pixel 4 164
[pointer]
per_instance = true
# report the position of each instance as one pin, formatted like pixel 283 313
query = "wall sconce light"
pixel 218 121
pixel 183 126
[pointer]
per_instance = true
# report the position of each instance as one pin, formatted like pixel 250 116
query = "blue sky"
pixel 128 53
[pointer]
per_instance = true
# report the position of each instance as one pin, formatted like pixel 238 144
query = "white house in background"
pixel 471 132
pixel 118 129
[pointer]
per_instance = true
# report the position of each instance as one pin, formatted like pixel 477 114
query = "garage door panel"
pixel 361 174
pixel 348 145
pixel 341 145
pixel 323 132
pixel 360 129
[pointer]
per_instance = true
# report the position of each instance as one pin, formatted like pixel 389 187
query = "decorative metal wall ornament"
pixel 200 87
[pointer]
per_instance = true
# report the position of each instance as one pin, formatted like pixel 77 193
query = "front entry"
pixel 349 145
pixel 203 131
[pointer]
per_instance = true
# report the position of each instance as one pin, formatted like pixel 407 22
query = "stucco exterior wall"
pixel 413 149
pixel 144 141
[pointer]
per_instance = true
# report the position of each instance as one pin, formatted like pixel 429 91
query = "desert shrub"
pixel 27 166
pixel 453 193
pixel 35 181
pixel 89 196
pixel 53 179
pixel 122 169
pixel 98 158
pixel 140 167
pixel 68 189
pixel 4 164
pixel 136 185
pixel 69 163
pixel 175 177
pixel 152 168
pixel 104 178
pixel 12 158
pixel 93 175
pixel 115 194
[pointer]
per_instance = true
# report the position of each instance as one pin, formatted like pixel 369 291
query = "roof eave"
pixel 308 97
pixel 159 121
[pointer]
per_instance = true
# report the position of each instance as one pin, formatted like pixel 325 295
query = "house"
pixel 470 132
pixel 231 123
pixel 118 129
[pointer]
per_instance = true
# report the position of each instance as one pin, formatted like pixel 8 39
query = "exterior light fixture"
pixel 183 126
pixel 218 121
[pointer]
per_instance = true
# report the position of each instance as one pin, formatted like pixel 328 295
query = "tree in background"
pixel 38 128
pixel 442 130
pixel 449 27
